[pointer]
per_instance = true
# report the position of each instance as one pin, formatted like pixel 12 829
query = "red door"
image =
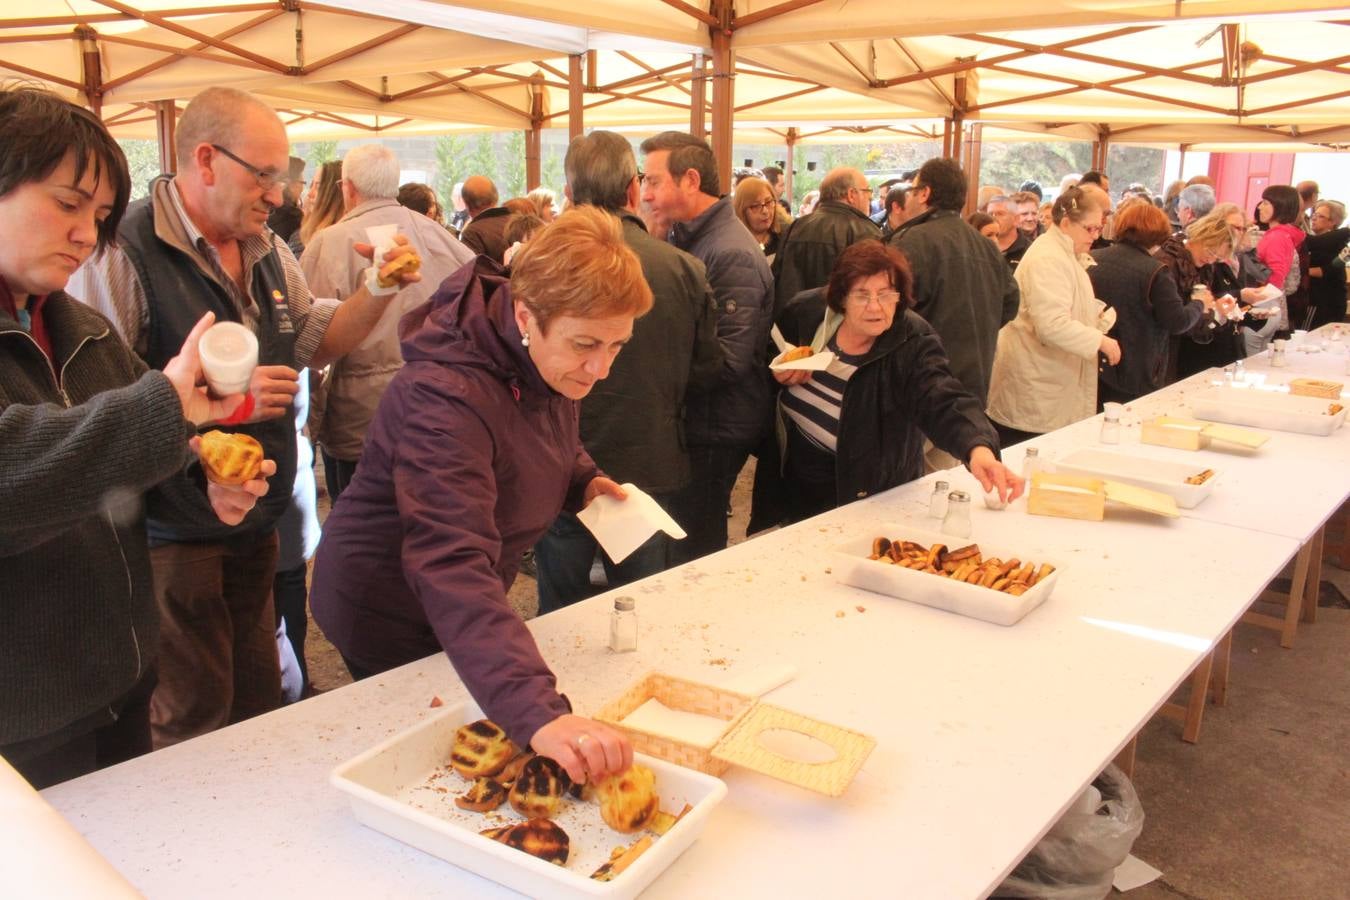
pixel 1241 177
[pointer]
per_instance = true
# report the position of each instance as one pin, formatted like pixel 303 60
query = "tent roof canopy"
pixel 1110 68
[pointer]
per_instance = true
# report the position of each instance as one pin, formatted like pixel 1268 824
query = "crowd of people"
pixel 549 351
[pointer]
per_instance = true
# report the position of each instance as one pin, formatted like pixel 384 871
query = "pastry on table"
pixel 481 749
pixel 230 458
pixel 538 791
pixel 484 795
pixel 537 837
pixel 628 801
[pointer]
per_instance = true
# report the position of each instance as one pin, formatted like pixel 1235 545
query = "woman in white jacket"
pixel 1045 368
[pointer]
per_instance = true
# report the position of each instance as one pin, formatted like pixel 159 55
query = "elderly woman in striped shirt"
pixel 858 427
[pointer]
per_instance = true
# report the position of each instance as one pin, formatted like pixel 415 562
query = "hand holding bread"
pixel 236 474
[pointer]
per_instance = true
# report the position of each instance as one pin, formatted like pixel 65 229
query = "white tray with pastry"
pixel 407 788
pixel 1268 409
pixel 992 583
pixel 1187 483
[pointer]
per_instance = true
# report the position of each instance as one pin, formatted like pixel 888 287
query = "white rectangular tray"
pixel 405 788
pixel 851 566
pixel 1156 475
pixel 1266 409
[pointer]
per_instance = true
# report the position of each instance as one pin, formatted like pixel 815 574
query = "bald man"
pixel 812 243
pixel 201 244
pixel 486 232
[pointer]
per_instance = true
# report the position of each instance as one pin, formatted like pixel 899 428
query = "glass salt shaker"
pixel 957 520
pixel 1239 372
pixel 937 504
pixel 1277 358
pixel 1031 463
pixel 623 626
pixel 1111 424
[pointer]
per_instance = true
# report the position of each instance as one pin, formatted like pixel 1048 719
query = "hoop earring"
pixel 525 339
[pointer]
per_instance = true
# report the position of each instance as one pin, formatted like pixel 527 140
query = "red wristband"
pixel 242 413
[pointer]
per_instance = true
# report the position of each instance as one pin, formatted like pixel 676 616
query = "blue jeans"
pixel 564 555
pixel 702 506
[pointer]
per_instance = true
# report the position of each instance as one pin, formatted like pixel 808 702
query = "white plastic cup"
pixel 229 354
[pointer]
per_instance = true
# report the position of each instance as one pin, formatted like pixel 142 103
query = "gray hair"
pixel 372 171
pixel 836 183
pixel 1198 198
pixel 1337 210
pixel 214 116
pixel 1004 201
pixel 599 168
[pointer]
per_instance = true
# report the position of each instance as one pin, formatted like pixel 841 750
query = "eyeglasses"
pixel 1092 230
pixel 763 206
pixel 266 180
pixel 861 298
pixel 865 189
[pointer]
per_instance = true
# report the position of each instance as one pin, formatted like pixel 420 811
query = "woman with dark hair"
pixel 1045 368
pixel 1278 213
pixel 858 427
pixel 1149 307
pixel 421 198
pixel 86 430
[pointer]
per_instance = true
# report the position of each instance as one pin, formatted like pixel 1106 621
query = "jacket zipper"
pixel 58 380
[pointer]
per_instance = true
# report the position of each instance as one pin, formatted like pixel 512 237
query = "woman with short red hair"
pixel 1148 304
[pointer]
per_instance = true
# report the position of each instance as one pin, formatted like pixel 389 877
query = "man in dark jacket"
pixel 486 231
pixel 962 286
pixel 722 425
pixel 632 423
pixel 812 243
pixel 200 244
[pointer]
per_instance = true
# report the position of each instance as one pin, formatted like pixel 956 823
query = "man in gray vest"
pixel 355 383
pixel 632 423
pixel 198 244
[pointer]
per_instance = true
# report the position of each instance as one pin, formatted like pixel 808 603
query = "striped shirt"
pixel 109 283
pixel 814 406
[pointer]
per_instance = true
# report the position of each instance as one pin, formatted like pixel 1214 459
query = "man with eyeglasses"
pixel 200 243
pixel 962 286
pixel 811 244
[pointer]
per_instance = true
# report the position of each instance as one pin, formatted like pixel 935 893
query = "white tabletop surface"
pixel 984 734
pixel 1290 486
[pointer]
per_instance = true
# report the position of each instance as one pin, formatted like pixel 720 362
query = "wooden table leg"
pixel 1287 624
pixel 1223 654
pixel 1193 712
pixel 1125 758
pixel 1313 591
pixel 1296 590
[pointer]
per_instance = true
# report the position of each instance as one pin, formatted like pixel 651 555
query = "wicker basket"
pixel 685 696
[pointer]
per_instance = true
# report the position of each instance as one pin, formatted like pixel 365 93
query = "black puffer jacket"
pixel 810 246
pixel 734 412
pixel 963 287
pixel 902 391
pixel 81 438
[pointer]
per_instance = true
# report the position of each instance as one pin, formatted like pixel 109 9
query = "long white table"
pixel 984 734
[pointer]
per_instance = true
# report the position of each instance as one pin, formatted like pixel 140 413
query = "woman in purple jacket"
pixel 472 454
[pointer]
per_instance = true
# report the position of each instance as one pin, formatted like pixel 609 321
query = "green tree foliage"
pixel 551 169
pixel 321 152
pixel 483 159
pixel 450 166
pixel 142 163
pixel 511 166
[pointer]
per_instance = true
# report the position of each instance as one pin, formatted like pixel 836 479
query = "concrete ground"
pixel 1259 808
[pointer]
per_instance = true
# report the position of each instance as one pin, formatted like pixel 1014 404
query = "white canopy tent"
pixel 1210 75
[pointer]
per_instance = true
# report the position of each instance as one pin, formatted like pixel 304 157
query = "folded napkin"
pixel 621 526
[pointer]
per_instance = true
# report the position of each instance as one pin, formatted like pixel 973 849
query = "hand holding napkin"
pixel 621 526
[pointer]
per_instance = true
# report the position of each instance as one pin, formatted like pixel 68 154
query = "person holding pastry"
pixel 86 433
pixel 858 427
pixel 473 452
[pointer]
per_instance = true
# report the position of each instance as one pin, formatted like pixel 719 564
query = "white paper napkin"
pixel 1133 873
pixel 621 526
pixel 816 363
